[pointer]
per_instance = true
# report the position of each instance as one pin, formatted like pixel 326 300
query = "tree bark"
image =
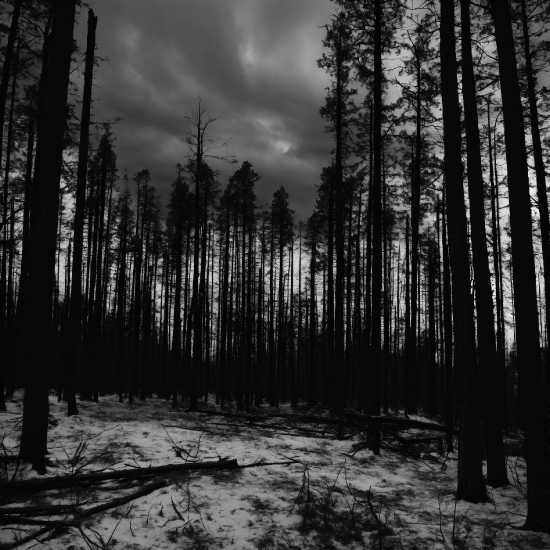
pixel 533 407
pixel 540 173
pixel 492 417
pixel 471 485
pixel 51 128
pixel 376 323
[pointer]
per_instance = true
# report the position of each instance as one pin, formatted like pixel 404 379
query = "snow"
pixel 261 507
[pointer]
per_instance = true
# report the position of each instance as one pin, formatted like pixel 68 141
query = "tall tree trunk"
pixel 272 356
pixel 533 407
pixel 259 336
pixel 121 313
pixel 471 485
pixel 492 418
pixel 540 173
pixel 175 356
pixel 312 328
pixel 338 341
pixel 376 341
pixel 224 313
pixel 98 298
pixel 330 379
pixel 448 324
pixel 293 394
pixel 198 286
pixel 38 318
pixel 412 355
pixel 299 393
pixel 432 350
pixel 501 377
pixel 407 314
pixel 368 310
pixel 387 306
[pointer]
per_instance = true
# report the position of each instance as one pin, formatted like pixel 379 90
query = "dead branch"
pixel 51 510
pixel 87 513
pixel 402 422
pixel 44 484
pixel 122 500
pixel 262 463
pixel 22 520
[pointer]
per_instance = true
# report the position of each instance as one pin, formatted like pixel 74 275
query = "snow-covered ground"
pixel 326 499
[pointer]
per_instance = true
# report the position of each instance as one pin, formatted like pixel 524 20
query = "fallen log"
pixel 86 513
pixel 45 484
pixel 414 440
pixel 51 510
pixel 306 419
pixel 249 417
pixel 408 441
pixel 260 463
pixel 122 500
pixel 327 420
pixel 402 422
pixel 22 520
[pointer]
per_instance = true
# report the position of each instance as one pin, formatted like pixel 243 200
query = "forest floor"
pixel 327 497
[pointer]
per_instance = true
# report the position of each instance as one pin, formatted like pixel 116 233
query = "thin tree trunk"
pixel 448 324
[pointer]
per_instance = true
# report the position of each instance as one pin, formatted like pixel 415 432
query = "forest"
pixel 408 309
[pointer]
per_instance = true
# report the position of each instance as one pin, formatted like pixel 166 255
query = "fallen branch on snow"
pixel 44 484
pixel 83 515
pixel 50 510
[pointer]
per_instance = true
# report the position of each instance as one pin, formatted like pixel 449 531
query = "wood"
pixel 38 510
pixel 75 306
pixel 51 128
pixel 471 483
pixel 87 513
pixel 45 484
pixel 21 520
pixel 405 422
pixel 124 499
pixel 532 399
pixel 362 418
pixel 487 356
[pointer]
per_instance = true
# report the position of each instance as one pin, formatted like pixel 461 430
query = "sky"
pixel 253 62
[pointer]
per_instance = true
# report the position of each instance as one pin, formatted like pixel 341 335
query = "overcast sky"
pixel 252 61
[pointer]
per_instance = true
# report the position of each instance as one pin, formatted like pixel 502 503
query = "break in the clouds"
pixel 252 61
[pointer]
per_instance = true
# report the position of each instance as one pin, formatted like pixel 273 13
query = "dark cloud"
pixel 252 61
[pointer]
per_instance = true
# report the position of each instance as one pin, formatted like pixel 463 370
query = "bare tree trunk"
pixel 533 408
pixel 25 246
pixel 496 464
pixel 448 324
pixel 471 485
pixel 501 375
pixel 540 173
pixel 376 341
pixel 38 318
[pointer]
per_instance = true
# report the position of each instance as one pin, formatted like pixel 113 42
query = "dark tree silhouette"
pixel 471 485
pixel 533 408
pixel 50 133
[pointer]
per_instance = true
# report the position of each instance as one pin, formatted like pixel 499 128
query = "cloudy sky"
pixel 252 61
